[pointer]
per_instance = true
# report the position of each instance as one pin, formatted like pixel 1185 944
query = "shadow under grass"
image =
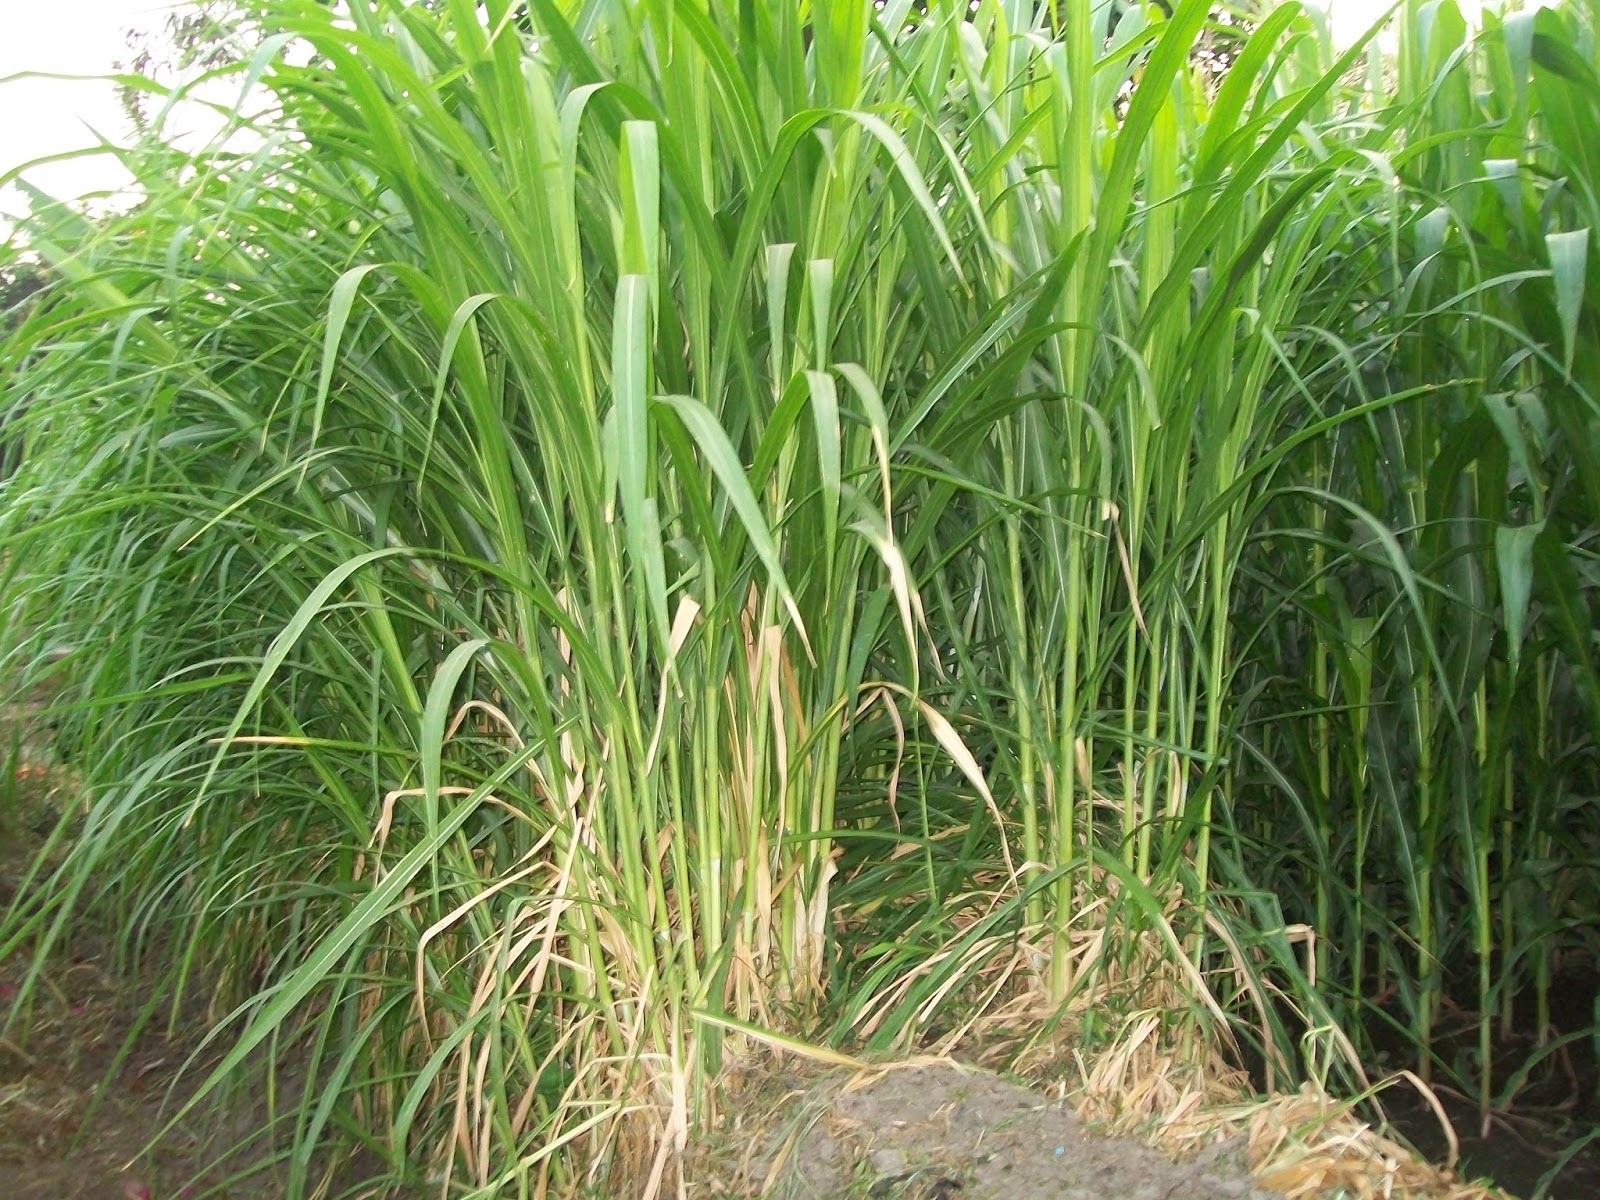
pixel 95 1060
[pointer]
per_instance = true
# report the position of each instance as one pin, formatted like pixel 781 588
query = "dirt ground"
pixel 91 1071
pixel 940 1132
pixel 88 1089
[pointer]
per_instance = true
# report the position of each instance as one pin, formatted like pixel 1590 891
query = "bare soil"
pixel 936 1131
pixel 93 1067
pixel 86 1092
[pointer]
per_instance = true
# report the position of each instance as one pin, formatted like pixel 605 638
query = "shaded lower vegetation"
pixel 591 536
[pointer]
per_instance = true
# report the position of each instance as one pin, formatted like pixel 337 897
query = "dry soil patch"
pixel 940 1132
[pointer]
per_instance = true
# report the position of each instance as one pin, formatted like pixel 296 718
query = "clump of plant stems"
pixel 592 534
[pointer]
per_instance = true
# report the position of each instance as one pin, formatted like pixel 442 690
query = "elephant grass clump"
pixel 581 539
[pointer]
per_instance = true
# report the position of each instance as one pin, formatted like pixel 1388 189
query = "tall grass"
pixel 613 531
pixel 1450 697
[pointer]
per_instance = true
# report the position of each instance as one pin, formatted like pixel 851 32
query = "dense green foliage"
pixel 599 527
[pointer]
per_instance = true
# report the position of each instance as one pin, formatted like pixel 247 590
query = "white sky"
pixel 86 37
pixel 44 116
